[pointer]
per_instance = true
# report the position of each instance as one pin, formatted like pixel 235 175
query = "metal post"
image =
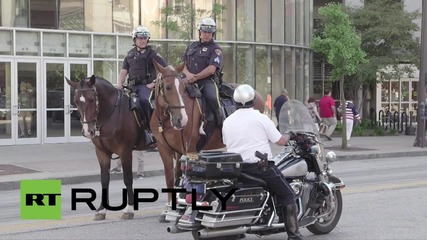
pixel 420 141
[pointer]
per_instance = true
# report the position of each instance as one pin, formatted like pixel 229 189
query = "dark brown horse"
pixel 112 127
pixel 176 122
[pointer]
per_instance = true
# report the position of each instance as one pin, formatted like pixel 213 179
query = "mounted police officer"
pixel 138 64
pixel 202 63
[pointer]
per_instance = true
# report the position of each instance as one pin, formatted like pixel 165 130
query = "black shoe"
pixel 152 147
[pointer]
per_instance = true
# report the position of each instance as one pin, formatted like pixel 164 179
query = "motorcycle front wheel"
pixel 327 223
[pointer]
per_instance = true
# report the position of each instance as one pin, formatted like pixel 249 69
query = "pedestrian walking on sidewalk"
pixel 351 115
pixel 328 114
pixel 140 169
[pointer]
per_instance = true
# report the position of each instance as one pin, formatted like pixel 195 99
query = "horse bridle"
pixel 95 119
pixel 161 93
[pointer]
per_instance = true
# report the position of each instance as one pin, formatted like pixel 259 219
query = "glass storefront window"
pixel 228 22
pixel 54 44
pixel 395 92
pixel 5 97
pixel 414 92
pixel 299 74
pixel 79 45
pixel 385 91
pixel 27 99
pixel 71 15
pixel 290 71
pixel 263 70
pixel 124 45
pixel 174 51
pixel 263 22
pixel 6 42
pixel 106 70
pixel 44 14
pixel 405 91
pixel 104 46
pixel 278 29
pixel 228 64
pixel 27 43
pixel 98 16
pixel 299 22
pixel 122 16
pixel 290 21
pixel 150 10
pixel 245 64
pixel 245 20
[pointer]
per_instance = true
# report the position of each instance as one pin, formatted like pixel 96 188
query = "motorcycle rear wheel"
pixel 327 224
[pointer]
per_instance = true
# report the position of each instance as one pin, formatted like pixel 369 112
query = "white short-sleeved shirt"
pixel 247 131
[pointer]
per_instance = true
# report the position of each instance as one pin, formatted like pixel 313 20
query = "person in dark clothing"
pixel 278 103
pixel 138 65
pixel 202 62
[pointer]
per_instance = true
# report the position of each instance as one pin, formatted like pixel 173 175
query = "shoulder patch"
pixel 218 52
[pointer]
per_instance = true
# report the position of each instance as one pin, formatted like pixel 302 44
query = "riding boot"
pixel 291 222
pixel 219 116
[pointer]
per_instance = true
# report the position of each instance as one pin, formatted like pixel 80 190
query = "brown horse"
pixel 112 127
pixel 176 122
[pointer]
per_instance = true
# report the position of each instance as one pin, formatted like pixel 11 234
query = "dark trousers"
pixel 209 90
pixel 277 183
pixel 144 94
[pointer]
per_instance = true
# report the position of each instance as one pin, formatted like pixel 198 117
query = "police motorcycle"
pixel 222 202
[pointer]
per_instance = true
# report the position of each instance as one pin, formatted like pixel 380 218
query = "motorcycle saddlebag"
pixel 212 165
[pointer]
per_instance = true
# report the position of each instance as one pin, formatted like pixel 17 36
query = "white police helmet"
pixel 244 96
pixel 140 31
pixel 207 25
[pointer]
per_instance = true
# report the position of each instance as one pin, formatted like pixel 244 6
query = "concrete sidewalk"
pixel 77 163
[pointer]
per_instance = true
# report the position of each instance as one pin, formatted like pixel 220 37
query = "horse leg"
pixel 126 158
pixel 167 160
pixel 104 164
pixel 178 170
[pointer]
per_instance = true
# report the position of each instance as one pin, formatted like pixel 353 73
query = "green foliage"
pixel 339 42
pixel 183 20
pixel 387 33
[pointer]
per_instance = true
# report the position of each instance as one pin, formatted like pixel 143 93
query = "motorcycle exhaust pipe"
pixel 174 229
pixel 204 233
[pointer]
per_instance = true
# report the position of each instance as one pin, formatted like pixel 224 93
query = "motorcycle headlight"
pixel 331 157
pixel 314 149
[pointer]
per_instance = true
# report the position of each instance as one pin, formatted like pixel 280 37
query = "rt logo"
pixel 40 199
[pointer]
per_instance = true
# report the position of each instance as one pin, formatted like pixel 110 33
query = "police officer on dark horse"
pixel 201 64
pixel 138 64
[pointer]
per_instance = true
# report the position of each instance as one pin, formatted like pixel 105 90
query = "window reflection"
pixel 245 20
pixel 71 15
pixel 263 22
pixel 278 12
pixel 245 67
pixel 122 19
pixel 43 14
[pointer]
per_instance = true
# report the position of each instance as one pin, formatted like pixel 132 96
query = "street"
pixel 383 199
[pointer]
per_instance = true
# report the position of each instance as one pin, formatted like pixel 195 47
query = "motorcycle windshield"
pixel 294 116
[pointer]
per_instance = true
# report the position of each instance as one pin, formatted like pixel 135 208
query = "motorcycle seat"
pixel 248 179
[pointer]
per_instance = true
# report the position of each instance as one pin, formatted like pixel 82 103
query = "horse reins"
pixel 166 113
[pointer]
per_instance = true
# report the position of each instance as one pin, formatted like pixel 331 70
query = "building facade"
pixel 265 43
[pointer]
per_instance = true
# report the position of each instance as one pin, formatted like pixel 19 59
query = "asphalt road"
pixel 384 199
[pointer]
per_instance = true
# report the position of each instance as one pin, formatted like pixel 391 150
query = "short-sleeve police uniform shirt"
pixel 247 131
pixel 200 55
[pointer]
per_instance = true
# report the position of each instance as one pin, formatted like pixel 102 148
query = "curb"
pixel 381 155
pixel 14 185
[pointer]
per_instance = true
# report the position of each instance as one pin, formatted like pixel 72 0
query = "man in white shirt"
pixel 247 131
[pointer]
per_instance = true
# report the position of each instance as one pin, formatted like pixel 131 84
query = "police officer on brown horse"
pixel 139 65
pixel 202 62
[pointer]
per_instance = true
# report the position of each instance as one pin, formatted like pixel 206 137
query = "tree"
pixel 340 44
pixel 180 22
pixel 387 33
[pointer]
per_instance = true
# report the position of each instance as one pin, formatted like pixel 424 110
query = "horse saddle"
pixel 225 97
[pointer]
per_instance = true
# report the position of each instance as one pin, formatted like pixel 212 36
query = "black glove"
pixel 292 135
